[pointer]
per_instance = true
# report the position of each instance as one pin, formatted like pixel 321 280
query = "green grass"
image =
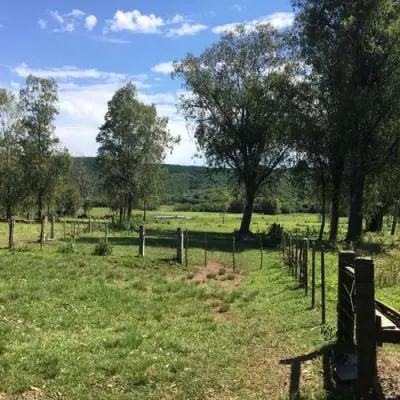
pixel 79 326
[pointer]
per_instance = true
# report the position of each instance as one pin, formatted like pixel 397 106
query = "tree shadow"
pixel 334 389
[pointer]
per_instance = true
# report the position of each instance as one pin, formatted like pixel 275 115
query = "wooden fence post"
pixel 323 304
pixel 262 252
pixel 11 237
pixel 313 276
pixel 205 249
pixel 395 216
pixel 52 227
pixel 65 229
pixel 73 231
pixel 179 249
pixel 366 334
pixel 142 239
pixel 345 313
pixel 186 247
pixel 305 265
pixel 233 254
pixel 90 224
pixel 43 232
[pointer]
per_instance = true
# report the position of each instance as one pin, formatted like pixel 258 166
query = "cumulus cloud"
pixel 23 71
pixel 134 21
pixel 57 17
pixel 177 19
pixel 279 20
pixel 186 30
pixel 90 22
pixel 163 68
pixel 42 23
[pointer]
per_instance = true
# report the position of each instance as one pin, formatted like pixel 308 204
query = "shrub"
pixel 103 249
pixel 221 271
pixel 287 208
pixel 270 206
pixel 67 248
pixel 236 207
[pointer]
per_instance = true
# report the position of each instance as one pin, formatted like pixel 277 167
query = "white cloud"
pixel 136 22
pixel 109 39
pixel 42 23
pixel 237 7
pixel 186 29
pixel 177 19
pixel 70 27
pixel 279 20
pixel 57 17
pixel 75 13
pixel 90 22
pixel 163 68
pixel 23 71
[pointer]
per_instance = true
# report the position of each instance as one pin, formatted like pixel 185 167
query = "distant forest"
pixel 193 188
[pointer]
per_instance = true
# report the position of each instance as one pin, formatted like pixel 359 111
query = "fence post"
pixel 323 304
pixel 395 216
pixel 365 327
pixel 345 313
pixel 65 229
pixel 43 232
pixel 186 247
pixel 205 249
pixel 296 258
pixel 305 265
pixel 73 231
pixel 313 276
pixel 261 251
pixel 52 227
pixel 233 254
pixel 90 224
pixel 11 238
pixel 179 250
pixel 106 233
pixel 142 239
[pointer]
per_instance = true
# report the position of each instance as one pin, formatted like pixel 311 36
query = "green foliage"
pixel 103 249
pixel 67 248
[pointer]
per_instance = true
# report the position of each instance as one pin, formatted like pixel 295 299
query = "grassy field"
pixel 80 326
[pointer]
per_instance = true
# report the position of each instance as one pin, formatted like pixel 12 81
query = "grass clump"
pixel 224 307
pixel 103 249
pixel 221 271
pixel 230 277
pixel 67 248
pixel 211 276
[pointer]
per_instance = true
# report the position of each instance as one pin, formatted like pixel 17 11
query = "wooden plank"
pixel 390 336
pixel 386 307
pixel 386 322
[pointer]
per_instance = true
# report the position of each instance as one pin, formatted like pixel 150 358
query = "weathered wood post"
pixel 186 247
pixel 292 253
pixel 52 227
pixel 205 249
pixel 305 265
pixel 395 217
pixel 142 239
pixel 366 334
pixel 296 257
pixel 43 232
pixel 65 228
pixel 313 276
pixel 90 224
pixel 284 247
pixel 233 253
pixel 323 303
pixel 345 313
pixel 179 249
pixel 11 237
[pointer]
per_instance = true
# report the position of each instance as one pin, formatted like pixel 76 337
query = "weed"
pixel 103 249
pixel 224 307
pixel 67 248
pixel 221 271
pixel 230 277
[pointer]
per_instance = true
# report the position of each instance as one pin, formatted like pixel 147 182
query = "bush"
pixel 67 248
pixel 103 249
pixel 236 207
pixel 270 206
pixel 287 208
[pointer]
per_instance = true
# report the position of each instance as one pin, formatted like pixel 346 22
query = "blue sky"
pixel 93 47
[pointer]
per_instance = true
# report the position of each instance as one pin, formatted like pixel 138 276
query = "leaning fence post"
pixel 11 238
pixel 179 250
pixel 305 265
pixel 366 335
pixel 345 313
pixel 43 232
pixel 52 227
pixel 142 239
pixel 313 276
pixel 323 304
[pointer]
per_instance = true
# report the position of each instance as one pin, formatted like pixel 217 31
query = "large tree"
pixel 41 158
pixel 133 135
pixel 352 50
pixel 237 106
pixel 11 172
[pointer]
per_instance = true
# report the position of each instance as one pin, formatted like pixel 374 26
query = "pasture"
pixel 78 326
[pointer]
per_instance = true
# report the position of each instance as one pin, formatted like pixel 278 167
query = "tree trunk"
pixel 323 211
pixel 354 229
pixel 8 211
pixel 130 207
pixel 247 213
pixel 121 214
pixel 395 216
pixel 375 224
pixel 39 206
pixel 337 177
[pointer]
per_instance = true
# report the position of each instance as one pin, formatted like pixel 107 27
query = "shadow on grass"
pixel 214 241
pixel 333 389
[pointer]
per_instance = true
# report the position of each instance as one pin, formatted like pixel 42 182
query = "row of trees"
pixel 324 94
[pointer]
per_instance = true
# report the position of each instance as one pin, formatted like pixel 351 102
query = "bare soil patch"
pixel 217 273
pixel 389 373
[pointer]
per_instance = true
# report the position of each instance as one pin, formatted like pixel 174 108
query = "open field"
pixel 79 326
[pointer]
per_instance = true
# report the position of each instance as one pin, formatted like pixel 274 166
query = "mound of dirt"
pixel 217 273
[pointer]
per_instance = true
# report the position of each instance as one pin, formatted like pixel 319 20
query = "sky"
pixel 92 48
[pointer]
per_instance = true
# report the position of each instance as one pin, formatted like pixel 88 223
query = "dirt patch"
pixel 389 373
pixel 217 273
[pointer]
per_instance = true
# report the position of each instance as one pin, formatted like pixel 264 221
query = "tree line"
pixel 323 96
